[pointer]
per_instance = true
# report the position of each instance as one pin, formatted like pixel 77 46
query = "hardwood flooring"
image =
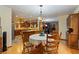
pixel 17 48
pixel 64 49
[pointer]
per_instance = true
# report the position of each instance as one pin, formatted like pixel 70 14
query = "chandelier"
pixel 41 12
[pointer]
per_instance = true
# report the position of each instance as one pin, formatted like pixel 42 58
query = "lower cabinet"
pixel 73 41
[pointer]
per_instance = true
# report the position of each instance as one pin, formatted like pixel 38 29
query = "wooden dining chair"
pixel 27 46
pixel 52 44
pixel 38 50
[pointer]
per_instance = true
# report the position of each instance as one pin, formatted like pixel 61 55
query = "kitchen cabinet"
pixel 73 30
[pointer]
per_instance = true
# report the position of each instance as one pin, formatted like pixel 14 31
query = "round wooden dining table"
pixel 39 42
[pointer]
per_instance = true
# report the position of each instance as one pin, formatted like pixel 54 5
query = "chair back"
pixel 38 50
pixel 25 37
pixel 53 45
pixel 55 36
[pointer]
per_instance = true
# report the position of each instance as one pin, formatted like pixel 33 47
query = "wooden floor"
pixel 17 48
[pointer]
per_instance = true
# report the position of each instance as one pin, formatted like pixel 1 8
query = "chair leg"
pixel 24 51
pixel 28 50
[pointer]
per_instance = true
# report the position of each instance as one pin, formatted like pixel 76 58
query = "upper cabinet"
pixel 73 22
pixel 28 24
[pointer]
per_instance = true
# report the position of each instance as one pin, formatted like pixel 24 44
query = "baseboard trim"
pixel 9 47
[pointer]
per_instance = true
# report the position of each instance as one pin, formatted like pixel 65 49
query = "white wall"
pixel 76 10
pixel 63 25
pixel 5 14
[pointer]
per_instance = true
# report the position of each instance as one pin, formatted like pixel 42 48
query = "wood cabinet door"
pixel 72 40
pixel 74 24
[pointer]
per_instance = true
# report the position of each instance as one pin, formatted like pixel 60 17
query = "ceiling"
pixel 48 11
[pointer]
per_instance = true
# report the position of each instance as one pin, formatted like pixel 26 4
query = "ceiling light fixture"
pixel 41 12
pixel 41 5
